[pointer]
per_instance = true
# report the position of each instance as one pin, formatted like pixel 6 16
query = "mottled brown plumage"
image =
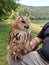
pixel 19 38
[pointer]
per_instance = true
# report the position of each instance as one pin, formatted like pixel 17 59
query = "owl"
pixel 19 38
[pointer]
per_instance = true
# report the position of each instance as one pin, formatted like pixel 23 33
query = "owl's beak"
pixel 27 26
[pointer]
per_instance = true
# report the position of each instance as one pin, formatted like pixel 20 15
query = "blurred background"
pixel 36 10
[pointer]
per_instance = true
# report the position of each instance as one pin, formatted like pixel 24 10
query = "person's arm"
pixel 39 38
pixel 35 42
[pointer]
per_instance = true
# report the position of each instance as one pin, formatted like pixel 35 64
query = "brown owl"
pixel 19 38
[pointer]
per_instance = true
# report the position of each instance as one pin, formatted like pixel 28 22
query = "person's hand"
pixel 33 44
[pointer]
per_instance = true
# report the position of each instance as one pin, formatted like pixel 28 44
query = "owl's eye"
pixel 23 21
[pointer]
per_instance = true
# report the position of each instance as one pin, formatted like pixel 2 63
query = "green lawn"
pixel 4 32
pixel 40 21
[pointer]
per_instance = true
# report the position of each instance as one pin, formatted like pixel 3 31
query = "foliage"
pixel 6 6
pixel 35 13
pixel 23 11
pixel 13 15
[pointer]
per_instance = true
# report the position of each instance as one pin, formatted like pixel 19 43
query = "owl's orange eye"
pixel 23 21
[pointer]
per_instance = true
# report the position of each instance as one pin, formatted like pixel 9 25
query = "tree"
pixel 6 6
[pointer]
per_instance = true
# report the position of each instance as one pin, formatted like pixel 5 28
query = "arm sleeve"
pixel 41 33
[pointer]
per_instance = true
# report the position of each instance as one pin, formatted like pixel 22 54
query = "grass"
pixel 4 32
pixel 40 21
